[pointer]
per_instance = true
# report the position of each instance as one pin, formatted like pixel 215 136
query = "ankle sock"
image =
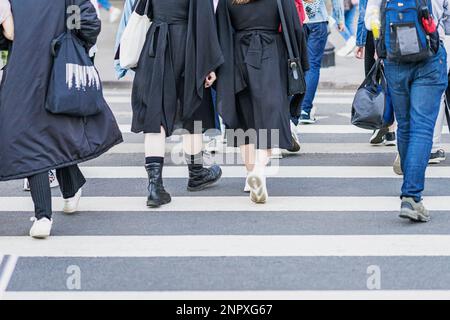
pixel 194 160
pixel 149 160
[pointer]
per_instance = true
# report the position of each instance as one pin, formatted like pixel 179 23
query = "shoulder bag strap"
pixel 284 28
pixel 447 111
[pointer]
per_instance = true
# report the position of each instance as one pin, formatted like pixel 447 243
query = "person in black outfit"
pixel 32 140
pixel 252 84
pixel 172 88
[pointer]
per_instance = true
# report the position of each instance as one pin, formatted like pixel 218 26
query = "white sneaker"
pixel 258 188
pixel 71 205
pixel 214 146
pixel 348 48
pixel 51 177
pixel 296 146
pixel 26 185
pixel 276 154
pixel 41 228
pixel 114 14
pixel 247 186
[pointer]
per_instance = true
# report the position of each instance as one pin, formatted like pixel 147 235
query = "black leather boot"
pixel 200 177
pixel 157 195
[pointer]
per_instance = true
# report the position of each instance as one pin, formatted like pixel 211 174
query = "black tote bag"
pixel 75 88
pixel 372 106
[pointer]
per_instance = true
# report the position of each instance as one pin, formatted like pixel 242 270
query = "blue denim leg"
pixel 350 20
pixel 426 91
pixel 399 78
pixel 416 90
pixel 106 4
pixel 317 35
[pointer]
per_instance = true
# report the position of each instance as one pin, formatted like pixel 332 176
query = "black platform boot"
pixel 157 195
pixel 199 176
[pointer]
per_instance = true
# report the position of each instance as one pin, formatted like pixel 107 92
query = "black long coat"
pixel 31 139
pixel 181 49
pixel 230 81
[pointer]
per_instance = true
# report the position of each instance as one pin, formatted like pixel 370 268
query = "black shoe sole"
pixel 154 204
pixel 380 137
pixel 206 185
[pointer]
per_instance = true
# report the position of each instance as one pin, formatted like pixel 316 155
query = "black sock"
pixel 149 160
pixel 194 160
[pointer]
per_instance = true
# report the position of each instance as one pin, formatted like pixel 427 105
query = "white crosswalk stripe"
pixel 273 172
pixel 317 129
pixel 307 148
pixel 242 204
pixel 236 295
pixel 215 262
pixel 232 246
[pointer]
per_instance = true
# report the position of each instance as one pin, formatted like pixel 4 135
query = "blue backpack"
pixel 403 38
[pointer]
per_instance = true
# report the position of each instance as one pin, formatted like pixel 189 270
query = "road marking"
pixel 231 246
pixel 321 98
pixel 345 115
pixel 307 148
pixel 241 204
pixel 310 129
pixel 9 265
pixel 234 295
pixel 353 172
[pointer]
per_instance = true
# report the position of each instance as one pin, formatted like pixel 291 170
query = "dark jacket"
pixel 31 139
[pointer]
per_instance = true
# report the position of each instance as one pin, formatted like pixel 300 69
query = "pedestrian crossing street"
pixel 329 230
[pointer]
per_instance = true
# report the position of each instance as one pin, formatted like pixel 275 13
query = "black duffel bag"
pixel 372 106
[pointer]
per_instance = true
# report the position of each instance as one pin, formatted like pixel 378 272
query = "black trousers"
pixel 70 181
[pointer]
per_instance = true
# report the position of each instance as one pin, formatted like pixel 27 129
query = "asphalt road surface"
pixel 330 228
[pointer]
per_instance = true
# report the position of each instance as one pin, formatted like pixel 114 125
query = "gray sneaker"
pixel 398 166
pixel 414 211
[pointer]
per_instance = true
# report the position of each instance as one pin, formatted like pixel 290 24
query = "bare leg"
pixel 248 154
pixel 155 144
pixel 256 179
pixel 192 144
pixel 393 127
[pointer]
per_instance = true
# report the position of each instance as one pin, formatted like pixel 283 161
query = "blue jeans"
pixel 317 36
pixel 106 4
pixel 349 30
pixel 416 90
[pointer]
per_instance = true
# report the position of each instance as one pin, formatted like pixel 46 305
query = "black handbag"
pixel 296 77
pixel 372 106
pixel 75 88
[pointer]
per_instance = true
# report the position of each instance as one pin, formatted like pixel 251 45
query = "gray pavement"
pixel 300 207
pixel 348 73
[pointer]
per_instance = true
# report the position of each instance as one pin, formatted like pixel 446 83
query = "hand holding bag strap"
pixel 146 8
pixel 56 41
pixel 287 39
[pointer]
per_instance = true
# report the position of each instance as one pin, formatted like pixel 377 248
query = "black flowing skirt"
pixel 158 87
pixel 262 101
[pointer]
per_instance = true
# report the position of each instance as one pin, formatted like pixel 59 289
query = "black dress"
pixel 255 71
pixel 180 51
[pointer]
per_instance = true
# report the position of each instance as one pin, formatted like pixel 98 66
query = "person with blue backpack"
pixel 408 34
